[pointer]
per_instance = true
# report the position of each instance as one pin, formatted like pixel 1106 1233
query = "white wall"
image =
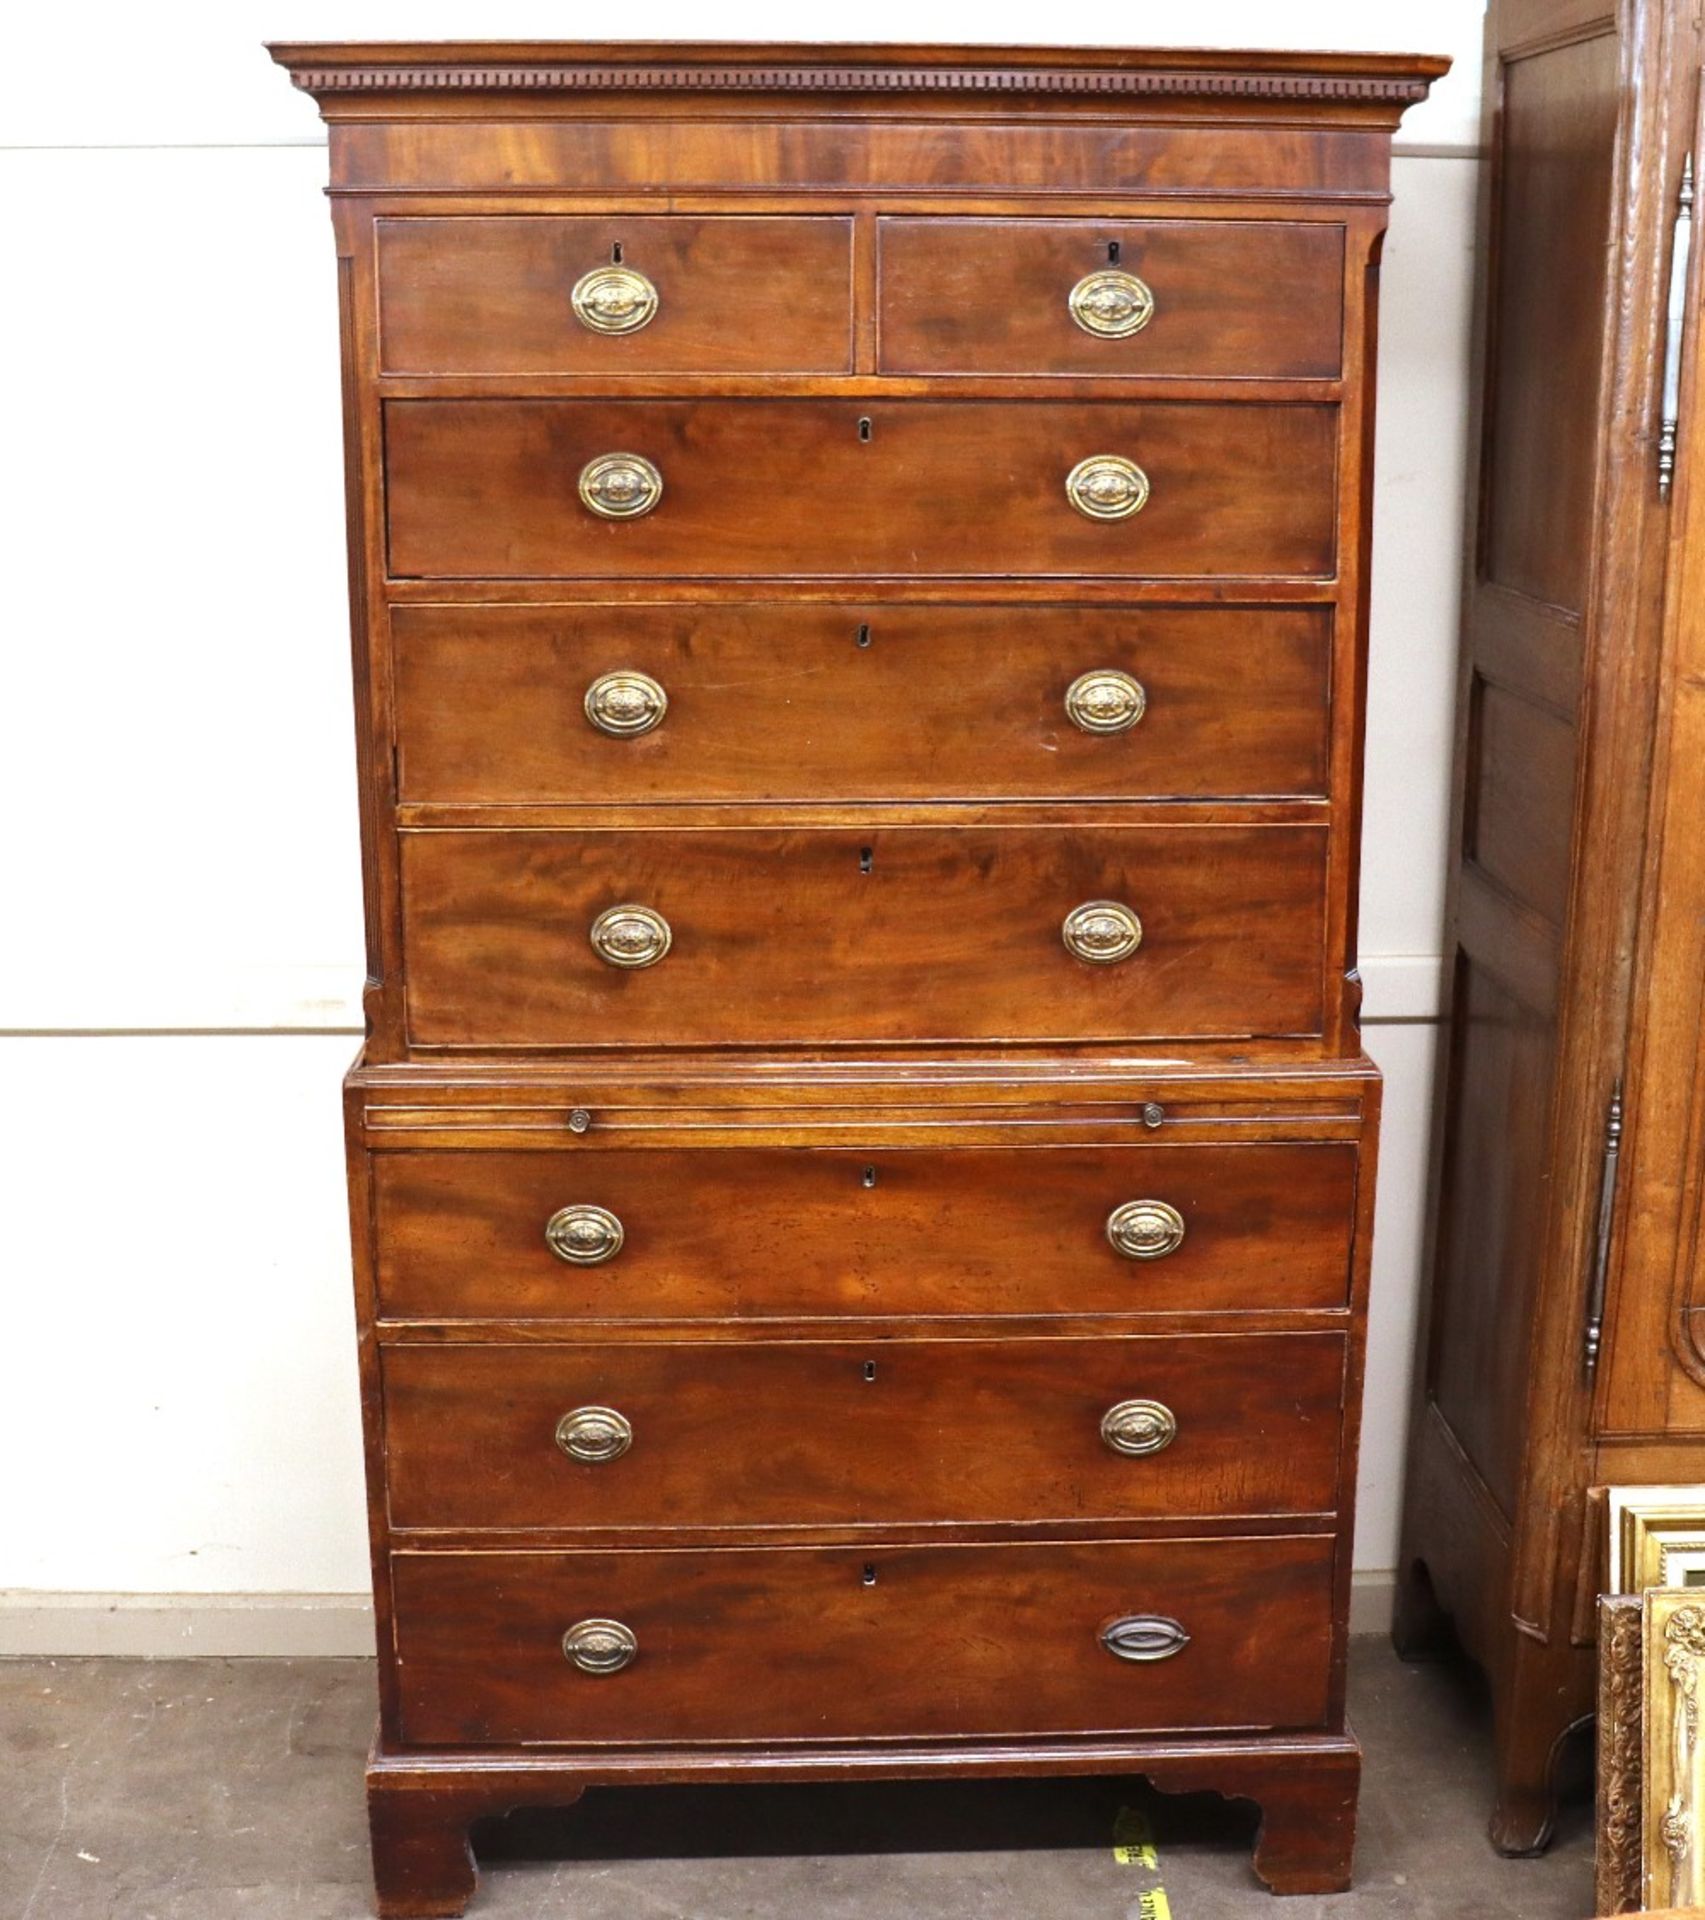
pixel 179 985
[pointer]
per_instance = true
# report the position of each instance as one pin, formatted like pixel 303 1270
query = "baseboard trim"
pixel 167 1626
pixel 237 1626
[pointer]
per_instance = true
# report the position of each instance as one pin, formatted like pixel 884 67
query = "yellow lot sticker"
pixel 1133 1846
pixel 1154 1905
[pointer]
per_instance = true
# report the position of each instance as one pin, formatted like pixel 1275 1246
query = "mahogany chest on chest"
pixel 862 1164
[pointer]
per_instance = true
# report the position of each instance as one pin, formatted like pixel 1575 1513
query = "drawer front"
pixel 1225 299
pixel 879 1432
pixel 506 705
pixel 828 1644
pixel 725 1233
pixel 766 295
pixel 491 488
pixel 849 935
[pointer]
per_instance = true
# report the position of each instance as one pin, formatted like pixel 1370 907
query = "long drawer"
pixel 510 705
pixel 828 1644
pixel 879 1432
pixel 862 934
pixel 832 488
pixel 773 1233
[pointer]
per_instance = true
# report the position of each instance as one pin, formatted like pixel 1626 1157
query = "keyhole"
pixel 866 859
pixel 616 254
pixel 869 1573
pixel 870 1370
pixel 864 636
pixel 864 427
pixel 870 1176
pixel 1112 253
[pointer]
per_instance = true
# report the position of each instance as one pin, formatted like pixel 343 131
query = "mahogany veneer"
pixel 912 1323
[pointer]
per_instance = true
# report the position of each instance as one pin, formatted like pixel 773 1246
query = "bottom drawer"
pixel 810 1643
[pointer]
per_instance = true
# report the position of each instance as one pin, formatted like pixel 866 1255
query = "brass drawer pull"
pixel 1145 1229
pixel 1102 932
pixel 613 300
pixel 620 486
pixel 594 1434
pixel 1105 701
pixel 1111 304
pixel 626 703
pixel 587 1236
pixel 630 936
pixel 1139 1426
pixel 599 1646
pixel 1143 1637
pixel 1107 486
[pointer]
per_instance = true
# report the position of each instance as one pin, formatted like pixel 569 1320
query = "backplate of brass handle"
pixel 630 935
pixel 1111 304
pixel 1145 1229
pixel 1138 1426
pixel 599 1646
pixel 1107 486
pixel 1105 700
pixel 594 1434
pixel 1102 932
pixel 1144 1637
pixel 626 703
pixel 620 486
pixel 586 1236
pixel 613 300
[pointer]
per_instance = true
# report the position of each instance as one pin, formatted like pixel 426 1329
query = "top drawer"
pixel 612 294
pixel 1204 299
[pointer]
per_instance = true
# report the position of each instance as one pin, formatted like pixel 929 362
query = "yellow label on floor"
pixel 1154 1905
pixel 1133 1846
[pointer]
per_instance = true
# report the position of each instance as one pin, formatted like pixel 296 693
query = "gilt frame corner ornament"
pixel 1673 1787
pixel 1656 1538
pixel 1617 1876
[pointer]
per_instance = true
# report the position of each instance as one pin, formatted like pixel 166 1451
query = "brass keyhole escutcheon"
pixel 1107 486
pixel 1111 304
pixel 1103 932
pixel 626 703
pixel 1145 1229
pixel 613 299
pixel 1105 700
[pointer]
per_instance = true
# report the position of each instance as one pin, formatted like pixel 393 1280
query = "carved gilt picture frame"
pixel 1673 1783
pixel 1657 1538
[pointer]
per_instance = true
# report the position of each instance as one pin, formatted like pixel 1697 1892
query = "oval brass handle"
pixel 1107 486
pixel 1145 1229
pixel 1105 701
pixel 620 486
pixel 594 1434
pixel 1111 304
pixel 1102 932
pixel 613 300
pixel 599 1646
pixel 630 936
pixel 1144 1637
pixel 626 703
pixel 585 1236
pixel 1139 1426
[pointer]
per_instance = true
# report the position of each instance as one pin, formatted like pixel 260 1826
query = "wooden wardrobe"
pixel 1563 1349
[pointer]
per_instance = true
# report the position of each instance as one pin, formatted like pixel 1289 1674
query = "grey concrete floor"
pixel 231 1790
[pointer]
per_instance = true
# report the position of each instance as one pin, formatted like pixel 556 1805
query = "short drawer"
pixel 829 1644
pixel 827 488
pixel 615 294
pixel 1209 299
pixel 802 1433
pixel 845 935
pixel 737 1232
pixel 509 705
